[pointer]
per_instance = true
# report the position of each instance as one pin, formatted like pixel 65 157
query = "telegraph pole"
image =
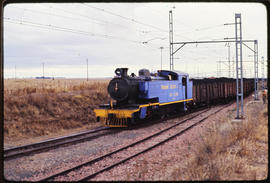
pixel 161 57
pixel 171 38
pixel 262 73
pixel 43 69
pixel 219 68
pixel 239 66
pixel 233 65
pixel 229 61
pixel 256 69
pixel 238 57
pixel 15 73
pixel 87 68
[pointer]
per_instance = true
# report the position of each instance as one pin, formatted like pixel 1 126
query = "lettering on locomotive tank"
pixel 173 94
pixel 173 86
pixel 164 87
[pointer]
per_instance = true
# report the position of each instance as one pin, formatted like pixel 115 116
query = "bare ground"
pixel 33 113
pixel 191 156
pixel 216 150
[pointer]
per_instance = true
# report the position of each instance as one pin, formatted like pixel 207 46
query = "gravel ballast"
pixel 148 166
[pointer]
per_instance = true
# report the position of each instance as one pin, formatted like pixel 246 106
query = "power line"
pixel 123 17
pixel 57 28
pixel 203 28
pixel 104 23
pixel 163 16
pixel 53 27
pixel 53 14
pixel 87 17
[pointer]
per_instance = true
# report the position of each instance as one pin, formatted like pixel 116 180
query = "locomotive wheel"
pixel 163 113
pixel 133 120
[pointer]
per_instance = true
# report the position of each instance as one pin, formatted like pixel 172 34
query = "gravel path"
pixel 148 166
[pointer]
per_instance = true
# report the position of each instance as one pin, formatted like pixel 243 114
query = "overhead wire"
pixel 85 16
pixel 107 36
pixel 195 30
pixel 133 20
pixel 50 26
pixel 57 28
pixel 99 21
pixel 107 21
pixel 53 14
pixel 123 17
pixel 206 28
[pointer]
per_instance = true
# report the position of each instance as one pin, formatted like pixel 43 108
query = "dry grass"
pixel 41 107
pixel 28 86
pixel 230 151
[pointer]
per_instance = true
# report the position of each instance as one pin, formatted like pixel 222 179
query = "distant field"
pixel 27 86
pixel 35 107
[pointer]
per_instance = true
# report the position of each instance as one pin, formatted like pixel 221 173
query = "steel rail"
pixel 34 147
pixel 149 148
pixel 28 149
pixel 51 177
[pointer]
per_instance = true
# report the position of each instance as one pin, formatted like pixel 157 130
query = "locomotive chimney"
pixel 124 72
pixel 121 72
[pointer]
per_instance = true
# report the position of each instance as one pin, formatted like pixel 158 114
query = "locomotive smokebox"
pixel 123 88
pixel 118 88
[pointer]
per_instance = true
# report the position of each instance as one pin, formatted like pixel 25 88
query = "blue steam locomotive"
pixel 144 96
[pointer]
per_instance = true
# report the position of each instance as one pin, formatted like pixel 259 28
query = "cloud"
pixel 113 37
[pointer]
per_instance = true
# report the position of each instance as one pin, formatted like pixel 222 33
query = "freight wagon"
pixel 209 91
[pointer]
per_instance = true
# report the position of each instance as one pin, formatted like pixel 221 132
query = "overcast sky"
pixel 110 35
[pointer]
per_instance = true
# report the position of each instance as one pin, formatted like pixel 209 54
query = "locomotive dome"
pixel 175 72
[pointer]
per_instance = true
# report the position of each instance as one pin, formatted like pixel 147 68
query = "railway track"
pixel 25 150
pixel 94 167
pixel 29 149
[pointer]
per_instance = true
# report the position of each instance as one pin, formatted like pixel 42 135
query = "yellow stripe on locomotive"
pixel 115 117
pixel 122 117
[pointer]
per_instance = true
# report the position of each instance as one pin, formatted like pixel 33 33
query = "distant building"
pixel 43 77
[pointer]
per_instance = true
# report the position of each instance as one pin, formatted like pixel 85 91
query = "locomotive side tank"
pixel 143 96
pixel 174 88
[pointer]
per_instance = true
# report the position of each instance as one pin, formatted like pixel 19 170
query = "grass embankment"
pixel 43 107
pixel 230 151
